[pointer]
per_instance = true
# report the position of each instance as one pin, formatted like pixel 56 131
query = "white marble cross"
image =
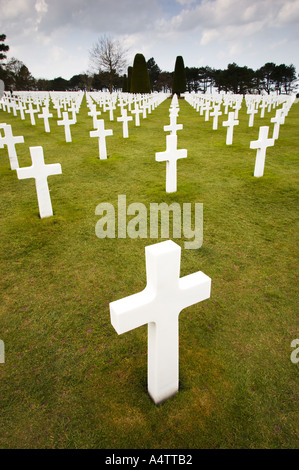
pixel 174 102
pixel 101 133
pixel 144 108
pixel 110 107
pixel 31 111
pixel 45 115
pixel 40 172
pixel 261 145
pixel 278 119
pixel 173 127
pixel 237 108
pixel 21 107
pixel 10 141
pixel 57 105
pixel 14 107
pixel 66 122
pixel 230 123
pixel 171 155
pixel 215 113
pixel 125 119
pixel 2 125
pixel 137 111
pixel 208 108
pixel 159 306
pixel 251 111
pixel 263 106
pixel 94 114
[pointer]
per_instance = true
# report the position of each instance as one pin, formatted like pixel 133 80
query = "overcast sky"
pixel 53 37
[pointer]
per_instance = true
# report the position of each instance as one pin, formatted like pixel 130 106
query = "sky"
pixel 53 38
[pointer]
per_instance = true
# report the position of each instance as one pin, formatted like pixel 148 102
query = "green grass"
pixel 69 381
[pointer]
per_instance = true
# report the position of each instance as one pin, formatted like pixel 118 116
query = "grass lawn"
pixel 69 381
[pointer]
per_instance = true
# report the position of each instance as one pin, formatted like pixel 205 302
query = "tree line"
pixel 109 62
pixel 241 80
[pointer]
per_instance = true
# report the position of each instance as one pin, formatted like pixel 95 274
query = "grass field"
pixel 69 381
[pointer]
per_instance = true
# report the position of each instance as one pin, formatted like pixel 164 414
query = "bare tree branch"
pixel 109 56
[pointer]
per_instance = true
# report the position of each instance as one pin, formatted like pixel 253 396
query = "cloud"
pixel 289 13
pixel 209 35
pixel 11 10
pixel 54 36
pixel 114 16
pixel 185 2
pixel 219 13
pixel 41 6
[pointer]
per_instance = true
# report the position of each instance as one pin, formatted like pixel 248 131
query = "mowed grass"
pixel 69 381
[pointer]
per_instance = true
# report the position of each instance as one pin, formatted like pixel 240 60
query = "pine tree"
pixel 125 84
pixel 179 77
pixel 3 47
pixel 153 71
pixel 130 68
pixel 140 82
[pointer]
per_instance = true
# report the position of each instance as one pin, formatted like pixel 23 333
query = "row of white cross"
pixel 211 104
pixel 39 170
pixel 142 103
pixel 165 295
pixel 170 155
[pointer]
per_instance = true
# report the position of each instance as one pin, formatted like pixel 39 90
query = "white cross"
pixel 21 107
pixel 226 105
pixel 144 108
pixel 148 106
pixel 10 141
pixel 278 119
pixel 8 105
pixel 125 119
pixel 101 133
pixel 31 111
pixel 263 106
pixel 45 115
pixel 40 171
pixel 110 107
pixel 137 111
pixel 57 106
pixel 230 123
pixel 173 127
pixel 159 306
pixel 171 155
pixel 261 145
pixel 66 122
pixel 216 112
pixel 14 107
pixel 2 125
pixel 73 110
pixel 208 107
pixel 94 114
pixel 237 108
pixel 174 101
pixel 174 112
pixel 251 111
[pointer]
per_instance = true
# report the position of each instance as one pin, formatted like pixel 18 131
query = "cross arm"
pixel 194 288
pixel 162 156
pixel 53 169
pixel 131 312
pixel 255 144
pixel 24 173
